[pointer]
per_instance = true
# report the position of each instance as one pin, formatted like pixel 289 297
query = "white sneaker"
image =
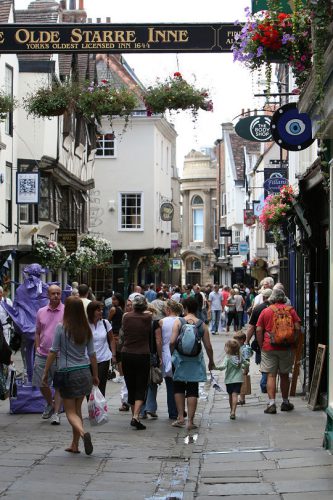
pixel 48 411
pixel 55 419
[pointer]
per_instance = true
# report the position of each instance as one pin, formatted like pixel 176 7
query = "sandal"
pixel 124 407
pixel 191 427
pixel 88 447
pixel 177 423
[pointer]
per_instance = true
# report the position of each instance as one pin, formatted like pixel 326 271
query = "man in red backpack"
pixel 277 330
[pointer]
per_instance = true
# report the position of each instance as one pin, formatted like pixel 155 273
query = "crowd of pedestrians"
pixel 86 341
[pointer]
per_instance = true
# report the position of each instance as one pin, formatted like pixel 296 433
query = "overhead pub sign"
pixel 287 6
pixel 117 38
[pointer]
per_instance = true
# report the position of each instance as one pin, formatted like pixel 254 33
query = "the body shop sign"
pixel 254 128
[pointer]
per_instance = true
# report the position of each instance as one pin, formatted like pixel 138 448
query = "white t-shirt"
pixel 101 344
pixel 176 297
pixel 215 299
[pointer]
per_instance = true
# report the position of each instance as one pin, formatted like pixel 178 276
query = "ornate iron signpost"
pixel 117 38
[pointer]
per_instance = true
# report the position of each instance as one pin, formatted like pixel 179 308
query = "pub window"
pixel 106 145
pixel 45 199
pixel 9 91
pixel 9 197
pixel 131 212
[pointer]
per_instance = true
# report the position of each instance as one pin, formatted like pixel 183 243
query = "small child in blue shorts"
pixel 245 353
pixel 233 365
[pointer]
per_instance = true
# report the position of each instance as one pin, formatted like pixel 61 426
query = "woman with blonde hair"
pixel 173 311
pixel 72 339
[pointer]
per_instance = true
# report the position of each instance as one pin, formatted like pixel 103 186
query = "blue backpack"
pixel 189 338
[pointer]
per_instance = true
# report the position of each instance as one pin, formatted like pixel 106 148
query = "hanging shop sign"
pixel 286 6
pixel 27 188
pixel 258 205
pixel 68 238
pixel 249 217
pixel 274 180
pixel 243 247
pixel 115 38
pixel 166 211
pixel 255 128
pixel 233 249
pixel 292 130
pixel 225 233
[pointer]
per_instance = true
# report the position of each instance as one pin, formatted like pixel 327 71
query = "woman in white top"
pixel 103 340
pixel 173 311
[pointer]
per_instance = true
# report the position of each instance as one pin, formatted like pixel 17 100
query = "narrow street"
pixel 256 456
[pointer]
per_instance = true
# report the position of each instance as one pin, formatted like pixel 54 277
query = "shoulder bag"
pixel 61 377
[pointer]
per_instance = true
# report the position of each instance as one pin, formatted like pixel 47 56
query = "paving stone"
pixel 232 457
pixel 241 497
pixel 317 495
pixel 229 474
pixel 305 485
pixel 325 471
pixel 229 480
pixel 236 489
pixel 264 465
pixel 308 461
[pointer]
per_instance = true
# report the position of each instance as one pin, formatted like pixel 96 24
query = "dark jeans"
pixel 172 408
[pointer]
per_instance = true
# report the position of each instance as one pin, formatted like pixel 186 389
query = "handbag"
pixel 246 386
pixel 155 375
pixel 61 377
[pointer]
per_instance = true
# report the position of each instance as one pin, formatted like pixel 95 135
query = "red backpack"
pixel 283 330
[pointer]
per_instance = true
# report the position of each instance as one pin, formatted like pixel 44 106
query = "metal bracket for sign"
pixel 117 38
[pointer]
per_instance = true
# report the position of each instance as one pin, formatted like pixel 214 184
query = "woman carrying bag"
pixel 72 339
pixel 103 341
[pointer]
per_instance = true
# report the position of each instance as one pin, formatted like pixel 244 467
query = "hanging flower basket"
pixel 82 260
pixel 50 101
pixel 7 104
pixel 156 263
pixel 100 246
pixel 50 254
pixel 103 99
pixel 272 36
pixel 276 208
pixel 176 94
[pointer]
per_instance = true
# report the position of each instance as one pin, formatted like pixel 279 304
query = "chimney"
pixel 63 4
pixel 108 20
pixel 72 4
pixel 81 4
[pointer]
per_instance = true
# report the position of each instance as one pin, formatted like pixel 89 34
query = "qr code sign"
pixel 27 186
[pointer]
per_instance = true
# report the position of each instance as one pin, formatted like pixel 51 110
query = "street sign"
pixel 292 130
pixel 226 233
pixel 258 205
pixel 254 128
pixel 117 38
pixel 243 247
pixel 233 249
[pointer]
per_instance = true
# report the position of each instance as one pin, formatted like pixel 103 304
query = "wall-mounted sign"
pixel 27 188
pixel 226 233
pixel 243 247
pixel 176 264
pixel 114 38
pixel 292 130
pixel 275 179
pixel 255 128
pixel 249 217
pixel 233 249
pixel 68 238
pixel 166 211
pixel 286 6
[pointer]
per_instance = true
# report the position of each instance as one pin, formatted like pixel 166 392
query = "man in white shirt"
pixel 215 308
pixel 83 294
pixel 267 282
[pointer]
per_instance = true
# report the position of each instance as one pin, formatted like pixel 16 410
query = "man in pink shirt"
pixel 47 319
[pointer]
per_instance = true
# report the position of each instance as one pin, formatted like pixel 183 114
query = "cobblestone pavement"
pixel 256 456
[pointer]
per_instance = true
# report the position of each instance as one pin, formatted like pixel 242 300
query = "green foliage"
pixel 7 104
pixel 52 100
pixel 49 253
pixel 176 93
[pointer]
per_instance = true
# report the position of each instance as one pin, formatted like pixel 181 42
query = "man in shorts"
pixel 276 358
pixel 47 319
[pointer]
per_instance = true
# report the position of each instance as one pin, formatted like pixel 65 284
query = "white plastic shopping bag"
pixel 97 407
